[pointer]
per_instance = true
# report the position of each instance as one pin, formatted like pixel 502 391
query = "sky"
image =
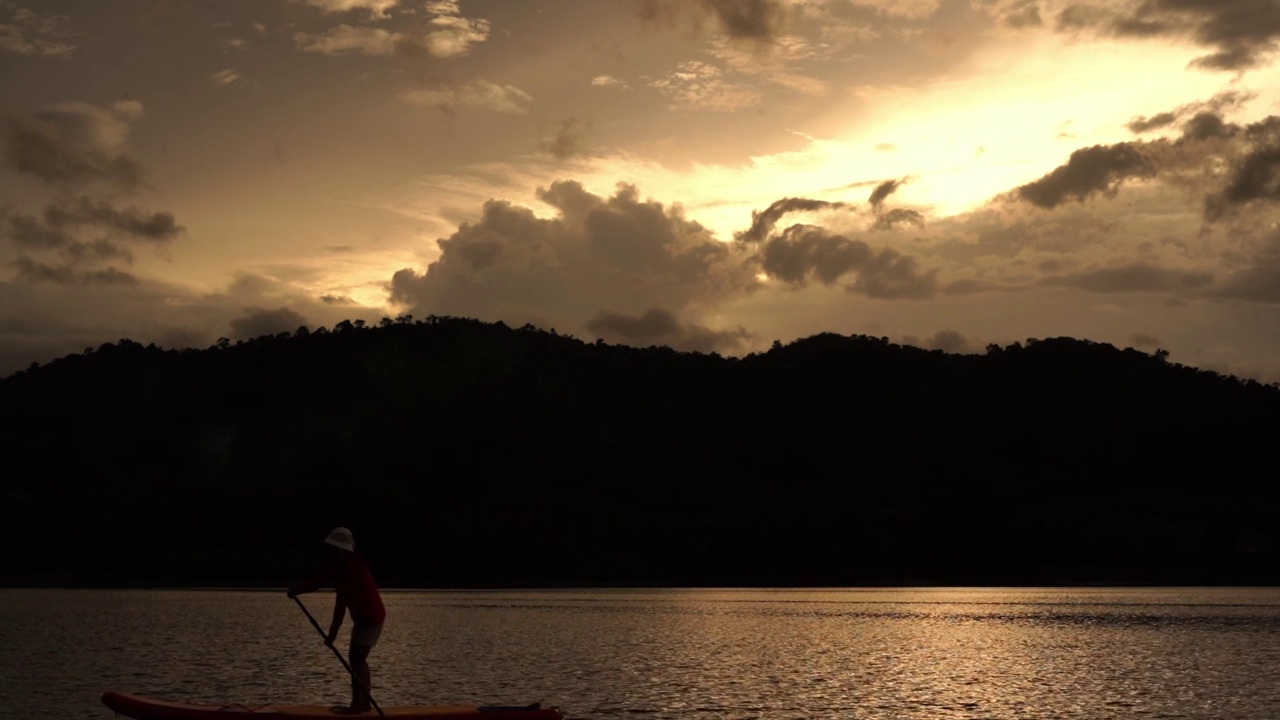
pixel 711 175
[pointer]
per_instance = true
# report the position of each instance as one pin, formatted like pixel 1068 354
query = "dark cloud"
pixel 1141 125
pixel 35 271
pixel 884 190
pixel 659 327
pixel 259 321
pixel 804 252
pixel 1097 169
pixel 179 337
pixel 1255 175
pixel 72 309
pixel 55 231
pixel 898 216
pixel 160 227
pixel 1242 33
pixel 1026 14
pixel 948 341
pixel 1259 281
pixel 619 252
pixel 761 20
pixel 1215 106
pixel 72 145
pixel 27 231
pixel 1208 125
pixel 96 250
pixel 336 300
pixel 763 222
pixel 1141 340
pixel 52 230
pixel 569 141
pixel 1137 277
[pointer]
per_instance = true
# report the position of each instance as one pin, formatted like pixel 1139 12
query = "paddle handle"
pixel 341 659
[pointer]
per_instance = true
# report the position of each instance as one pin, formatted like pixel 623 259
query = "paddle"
pixel 341 659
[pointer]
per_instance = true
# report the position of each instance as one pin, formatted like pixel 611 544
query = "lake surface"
pixel 700 654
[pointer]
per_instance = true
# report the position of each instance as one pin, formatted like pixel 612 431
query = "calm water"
pixel 937 654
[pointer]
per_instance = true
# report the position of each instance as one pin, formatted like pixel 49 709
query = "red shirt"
pixel 356 589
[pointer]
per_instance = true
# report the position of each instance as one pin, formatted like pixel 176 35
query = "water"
pixel 940 654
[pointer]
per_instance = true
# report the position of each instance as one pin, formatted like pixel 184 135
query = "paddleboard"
pixel 144 708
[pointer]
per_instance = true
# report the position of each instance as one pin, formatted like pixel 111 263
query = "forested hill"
pixel 467 454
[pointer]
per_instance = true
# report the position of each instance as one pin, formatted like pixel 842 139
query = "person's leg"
pixel 359 659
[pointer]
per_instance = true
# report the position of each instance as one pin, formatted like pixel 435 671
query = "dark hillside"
pixel 466 453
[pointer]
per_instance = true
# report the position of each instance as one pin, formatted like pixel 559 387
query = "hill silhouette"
pixel 467 454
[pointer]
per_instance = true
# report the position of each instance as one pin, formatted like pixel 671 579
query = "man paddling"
pixel 356 590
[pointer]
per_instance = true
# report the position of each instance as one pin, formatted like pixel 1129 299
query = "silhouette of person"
pixel 357 591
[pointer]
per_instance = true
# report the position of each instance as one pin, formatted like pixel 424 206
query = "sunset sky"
pixel 706 174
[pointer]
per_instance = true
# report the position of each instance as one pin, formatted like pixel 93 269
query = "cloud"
pixel 59 309
pixel 479 93
pixel 757 20
pixel 347 38
pixel 258 321
pixel 1141 125
pixel 569 141
pixel 898 216
pixel 1253 177
pixel 453 36
pixel 1097 169
pixel 236 43
pixel 1027 15
pixel 1259 280
pixel 57 232
pixel 1194 162
pixel 35 271
pixel 443 7
pixel 445 35
pixel 1207 126
pixel 1136 277
pixel 763 222
pixel 695 85
pixel 1242 33
pixel 660 327
pixel 1141 340
pixel 619 252
pixel 225 78
pixel 25 32
pixel 78 150
pixel 160 227
pixel 73 145
pixel 948 341
pixel 260 28
pixel 336 300
pixel 883 191
pixel 778 66
pixel 804 253
pixel 905 9
pixel 609 81
pixel 375 8
pixel 1220 102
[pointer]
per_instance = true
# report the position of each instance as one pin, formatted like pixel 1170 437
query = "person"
pixel 357 591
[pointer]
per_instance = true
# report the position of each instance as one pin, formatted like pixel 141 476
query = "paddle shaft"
pixel 341 659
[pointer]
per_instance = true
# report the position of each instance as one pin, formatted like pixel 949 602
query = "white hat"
pixel 341 537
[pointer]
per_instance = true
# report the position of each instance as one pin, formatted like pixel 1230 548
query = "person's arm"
pixel 339 611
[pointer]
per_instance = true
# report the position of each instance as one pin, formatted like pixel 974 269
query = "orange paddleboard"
pixel 143 708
